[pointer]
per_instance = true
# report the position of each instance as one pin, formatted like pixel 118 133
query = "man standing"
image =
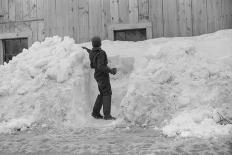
pixel 99 61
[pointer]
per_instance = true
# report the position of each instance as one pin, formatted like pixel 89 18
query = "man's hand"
pixel 88 50
pixel 113 71
pixel 85 48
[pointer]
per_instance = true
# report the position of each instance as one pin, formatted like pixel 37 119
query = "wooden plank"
pixel 114 11
pixel 230 19
pixel 65 17
pixel 106 18
pixel 33 9
pixel 41 31
pixel 52 18
pixel 26 9
pixel 199 17
pixel 1 12
pixel 1 28
pixel 143 10
pixel 95 18
pixel 19 10
pixel 6 27
pixel 184 17
pixel 5 7
pixel 133 11
pixel 71 5
pixel 46 15
pixel 1 53
pixel 12 27
pixel 22 26
pixel 23 34
pixel 1 9
pixel 226 14
pixel 170 18
pixel 59 17
pixel 123 11
pixel 83 20
pixel 11 10
pixel 129 26
pixel 40 9
pixel 34 29
pixel 74 20
pixel 156 17
pixel 213 15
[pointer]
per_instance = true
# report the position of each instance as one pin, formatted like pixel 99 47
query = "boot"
pixel 97 108
pixel 107 108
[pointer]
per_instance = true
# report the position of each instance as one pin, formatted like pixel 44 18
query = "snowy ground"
pixel 178 89
pixel 95 141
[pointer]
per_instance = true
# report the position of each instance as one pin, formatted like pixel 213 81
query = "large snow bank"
pixel 52 84
pixel 48 83
pixel 184 87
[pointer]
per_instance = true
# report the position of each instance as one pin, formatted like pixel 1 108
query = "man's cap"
pixel 96 41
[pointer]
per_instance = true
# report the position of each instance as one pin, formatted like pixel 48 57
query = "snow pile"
pixel 48 83
pixel 181 85
pixel 181 90
pixel 198 122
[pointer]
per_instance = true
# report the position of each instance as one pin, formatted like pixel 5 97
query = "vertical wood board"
pixel 214 15
pixel 75 18
pixel 40 9
pixel 26 9
pixel 184 17
pixel 33 9
pixel 133 11
pixel 83 20
pixel 170 18
pixel 18 10
pixel 41 31
pixel 123 11
pixel 95 20
pixel 106 18
pixel 199 17
pixel 143 10
pixel 12 10
pixel 114 7
pixel 5 9
pixel 156 17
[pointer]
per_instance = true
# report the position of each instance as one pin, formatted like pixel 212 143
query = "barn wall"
pixel 82 19
pixel 22 15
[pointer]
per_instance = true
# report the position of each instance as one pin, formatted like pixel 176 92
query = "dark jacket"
pixel 99 62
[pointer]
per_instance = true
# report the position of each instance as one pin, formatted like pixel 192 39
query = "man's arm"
pixel 88 50
pixel 102 66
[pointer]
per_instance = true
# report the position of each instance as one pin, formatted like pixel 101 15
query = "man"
pixel 99 61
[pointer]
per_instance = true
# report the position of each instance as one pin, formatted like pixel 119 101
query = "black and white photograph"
pixel 115 77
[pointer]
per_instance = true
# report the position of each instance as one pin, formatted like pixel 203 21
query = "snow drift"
pixel 183 88
pixel 48 83
pixel 180 85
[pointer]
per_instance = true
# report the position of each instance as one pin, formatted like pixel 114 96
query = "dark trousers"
pixel 104 98
pixel 104 86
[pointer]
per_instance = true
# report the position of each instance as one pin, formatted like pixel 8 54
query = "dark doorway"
pixel 12 47
pixel 130 35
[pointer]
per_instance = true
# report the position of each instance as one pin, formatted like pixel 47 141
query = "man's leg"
pixel 97 107
pixel 107 93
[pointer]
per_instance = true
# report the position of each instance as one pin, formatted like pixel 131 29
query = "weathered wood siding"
pixel 82 19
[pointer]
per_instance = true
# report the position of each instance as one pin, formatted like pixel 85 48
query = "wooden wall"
pixel 82 19
pixel 22 15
